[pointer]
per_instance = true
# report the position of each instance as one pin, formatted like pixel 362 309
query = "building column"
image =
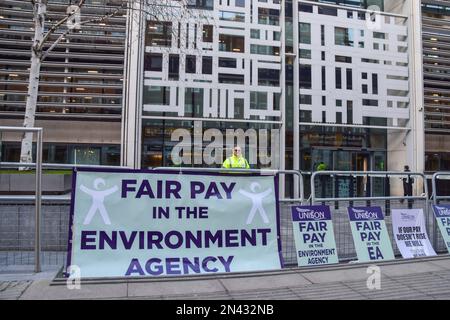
pixel 416 139
pixel 132 88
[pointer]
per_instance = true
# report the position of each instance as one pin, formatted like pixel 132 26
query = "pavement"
pixel 425 278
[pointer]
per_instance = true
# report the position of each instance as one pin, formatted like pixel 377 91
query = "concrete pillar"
pixel 132 88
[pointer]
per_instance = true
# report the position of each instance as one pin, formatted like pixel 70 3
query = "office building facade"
pixel 81 83
pixel 436 56
pixel 294 82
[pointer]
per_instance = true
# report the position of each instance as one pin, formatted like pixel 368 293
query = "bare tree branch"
pixel 94 20
pixel 60 22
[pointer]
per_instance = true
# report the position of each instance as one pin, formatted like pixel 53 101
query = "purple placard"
pixel 441 211
pixel 311 213
pixel 365 213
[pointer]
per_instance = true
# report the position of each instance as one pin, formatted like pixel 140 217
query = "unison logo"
pixel 208 147
pixel 407 217
pixel 310 214
pixel 364 214
pixel 443 211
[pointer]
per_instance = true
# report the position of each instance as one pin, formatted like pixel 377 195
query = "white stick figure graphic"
pixel 97 201
pixel 257 202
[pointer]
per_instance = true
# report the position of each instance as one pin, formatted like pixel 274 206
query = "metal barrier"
pixel 15 249
pixel 40 240
pixel 38 193
pixel 436 199
pixel 54 215
pixel 338 204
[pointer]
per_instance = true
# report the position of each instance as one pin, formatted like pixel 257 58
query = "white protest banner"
pixel 410 233
pixel 128 223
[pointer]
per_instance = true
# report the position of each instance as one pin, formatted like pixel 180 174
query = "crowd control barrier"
pixel 38 192
pixel 33 228
pixel 439 197
pixel 24 243
pixel 368 188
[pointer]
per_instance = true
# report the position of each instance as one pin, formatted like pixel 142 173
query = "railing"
pixel 339 204
pixel 38 191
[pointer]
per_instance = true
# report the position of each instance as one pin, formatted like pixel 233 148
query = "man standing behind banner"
pixel 236 161
pixel 408 188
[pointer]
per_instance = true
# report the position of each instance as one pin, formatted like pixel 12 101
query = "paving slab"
pixel 264 282
pixel 41 290
pixel 409 268
pixel 168 288
pixel 444 263
pixel 339 275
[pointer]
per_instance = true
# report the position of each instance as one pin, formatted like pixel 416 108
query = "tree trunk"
pixel 40 10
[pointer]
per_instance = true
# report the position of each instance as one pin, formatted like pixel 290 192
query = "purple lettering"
pixel 193 266
pixel 173 266
pixel 226 263
pixel 211 238
pixel 205 264
pixel 158 268
pixel 179 239
pixel 173 187
pixel 230 236
pixel 151 235
pixel 228 189
pixel 104 238
pixel 196 240
pixel 246 237
pixel 196 188
pixel 213 191
pixel 125 187
pixel 145 189
pixel 135 267
pixel 264 233
pixel 127 243
pixel 85 239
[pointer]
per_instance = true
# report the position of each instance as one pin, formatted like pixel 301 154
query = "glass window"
pixel 207 65
pixel 158 34
pixel 305 76
pixel 207 33
pixel 153 62
pixel 190 64
pixel 258 100
pixel 305 33
pixel 343 36
pixel 231 43
pixel 157 95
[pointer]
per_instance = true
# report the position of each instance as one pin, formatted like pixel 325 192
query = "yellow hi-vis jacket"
pixel 236 162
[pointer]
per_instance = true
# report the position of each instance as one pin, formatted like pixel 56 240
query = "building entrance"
pixel 349 160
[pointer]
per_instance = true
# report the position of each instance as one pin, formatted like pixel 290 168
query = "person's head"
pixel 237 151
pixel 406 168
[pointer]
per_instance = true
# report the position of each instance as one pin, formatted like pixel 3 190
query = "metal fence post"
pixel 37 235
